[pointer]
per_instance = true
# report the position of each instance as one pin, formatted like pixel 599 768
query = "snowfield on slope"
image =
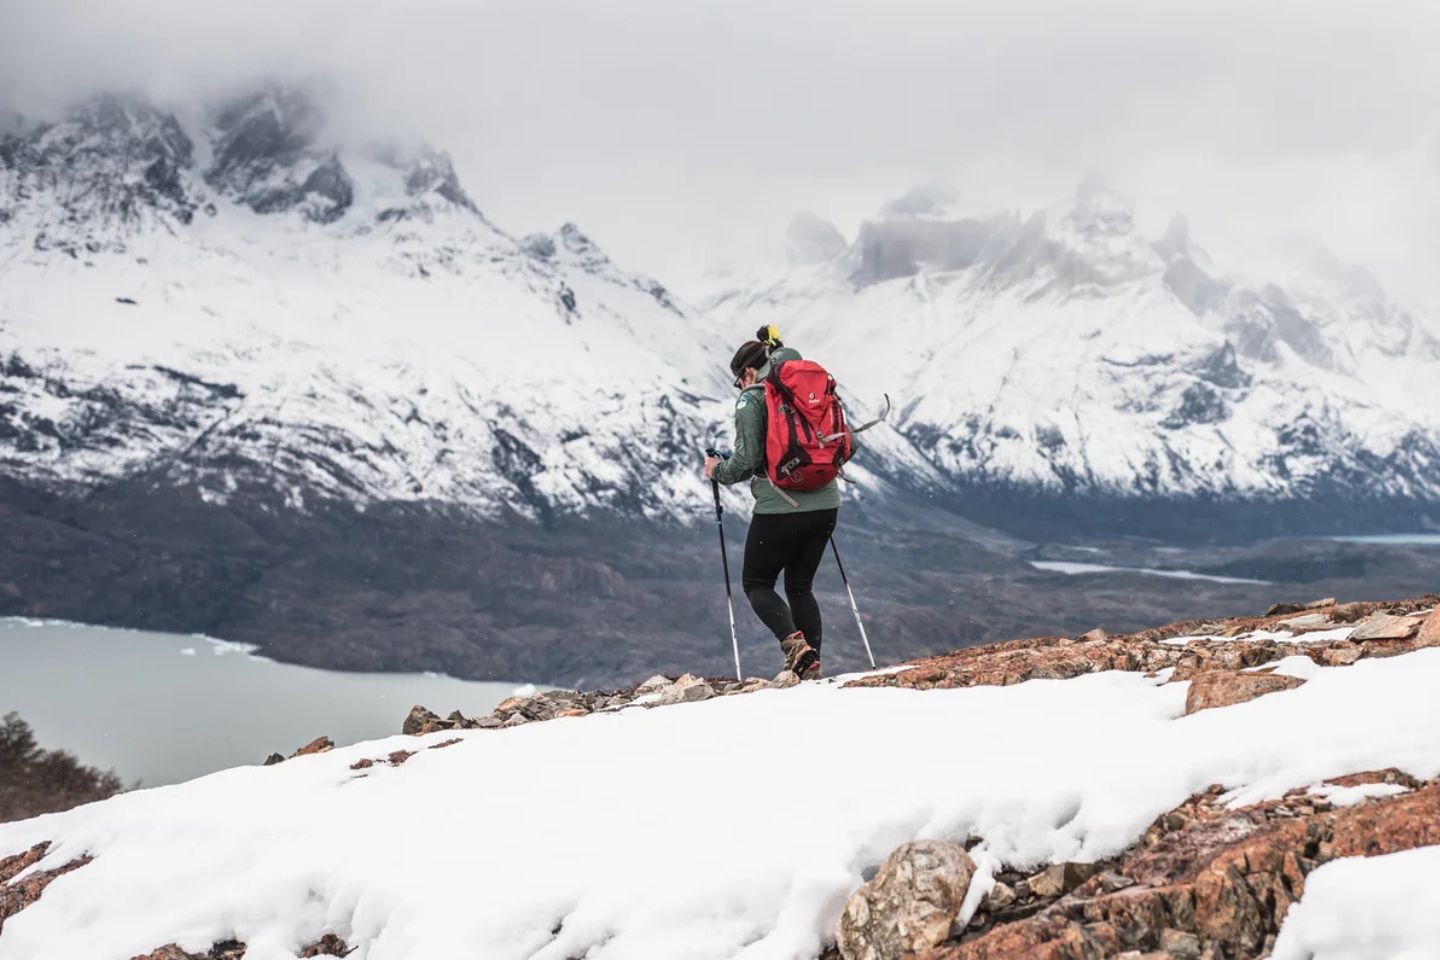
pixel 730 828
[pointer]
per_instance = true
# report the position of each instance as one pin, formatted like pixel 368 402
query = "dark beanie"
pixel 752 353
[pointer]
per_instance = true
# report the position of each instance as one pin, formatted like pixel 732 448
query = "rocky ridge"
pixel 1228 661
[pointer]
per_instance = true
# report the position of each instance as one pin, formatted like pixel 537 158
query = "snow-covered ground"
pixel 1367 908
pixel 734 827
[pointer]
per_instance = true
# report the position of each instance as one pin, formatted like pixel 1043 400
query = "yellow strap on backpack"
pixel 772 335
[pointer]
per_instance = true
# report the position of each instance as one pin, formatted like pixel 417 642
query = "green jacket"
pixel 748 460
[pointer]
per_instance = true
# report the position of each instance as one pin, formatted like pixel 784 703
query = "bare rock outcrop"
pixel 17 894
pixel 329 945
pixel 1188 647
pixel 1223 688
pixel 910 904
pixel 1207 882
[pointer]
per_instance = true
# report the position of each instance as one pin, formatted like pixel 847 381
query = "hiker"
pixel 790 527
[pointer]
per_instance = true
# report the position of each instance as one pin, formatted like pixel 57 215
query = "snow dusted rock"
pixel 1222 688
pixel 318 745
pixel 17 894
pixel 910 904
pixel 1209 880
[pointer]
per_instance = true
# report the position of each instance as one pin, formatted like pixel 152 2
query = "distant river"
pixel 162 708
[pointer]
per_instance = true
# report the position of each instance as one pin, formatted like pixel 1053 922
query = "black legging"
pixel 794 543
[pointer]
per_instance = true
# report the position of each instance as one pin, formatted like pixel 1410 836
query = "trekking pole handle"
pixel 715 486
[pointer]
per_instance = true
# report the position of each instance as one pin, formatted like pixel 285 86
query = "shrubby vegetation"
pixel 35 781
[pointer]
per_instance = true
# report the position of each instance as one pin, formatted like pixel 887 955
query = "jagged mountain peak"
pixel 117 160
pixel 933 200
pixel 113 161
pixel 812 240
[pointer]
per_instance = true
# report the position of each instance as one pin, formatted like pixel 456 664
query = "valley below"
pixel 606 601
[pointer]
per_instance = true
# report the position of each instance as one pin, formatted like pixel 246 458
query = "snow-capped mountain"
pixel 1065 354
pixel 260 302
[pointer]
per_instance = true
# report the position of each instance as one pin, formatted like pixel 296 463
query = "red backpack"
pixel 806 438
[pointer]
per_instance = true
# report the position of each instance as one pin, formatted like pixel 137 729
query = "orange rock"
pixel 1383 626
pixel 1210 876
pixel 1223 688
pixel 318 745
pixel 1429 635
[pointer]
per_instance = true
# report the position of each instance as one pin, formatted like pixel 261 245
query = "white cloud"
pixel 684 134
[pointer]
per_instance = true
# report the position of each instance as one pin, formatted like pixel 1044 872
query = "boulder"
pixel 1000 896
pixel 418 720
pixel 1430 630
pixel 1340 654
pixel 1180 944
pixel 785 678
pixel 1383 626
pixel 910 905
pixel 318 745
pixel 1060 878
pixel 687 689
pixel 1223 688
pixel 654 685
pixel 1306 622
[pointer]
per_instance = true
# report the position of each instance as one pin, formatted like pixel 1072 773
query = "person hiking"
pixel 790 527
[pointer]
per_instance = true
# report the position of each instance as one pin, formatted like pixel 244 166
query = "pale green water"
pixel 163 708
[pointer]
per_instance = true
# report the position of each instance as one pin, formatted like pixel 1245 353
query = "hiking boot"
pixel 800 658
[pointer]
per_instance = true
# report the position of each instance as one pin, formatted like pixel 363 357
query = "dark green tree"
pixel 35 781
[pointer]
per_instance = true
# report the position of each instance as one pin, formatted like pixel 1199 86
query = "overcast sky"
pixel 682 135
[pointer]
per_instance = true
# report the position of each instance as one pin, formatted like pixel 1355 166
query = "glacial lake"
pixel 161 708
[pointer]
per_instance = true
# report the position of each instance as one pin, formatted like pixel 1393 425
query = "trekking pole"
pixel 725 562
pixel 856 610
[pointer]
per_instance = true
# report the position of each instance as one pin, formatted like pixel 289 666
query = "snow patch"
pixel 541 828
pixel 1367 908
